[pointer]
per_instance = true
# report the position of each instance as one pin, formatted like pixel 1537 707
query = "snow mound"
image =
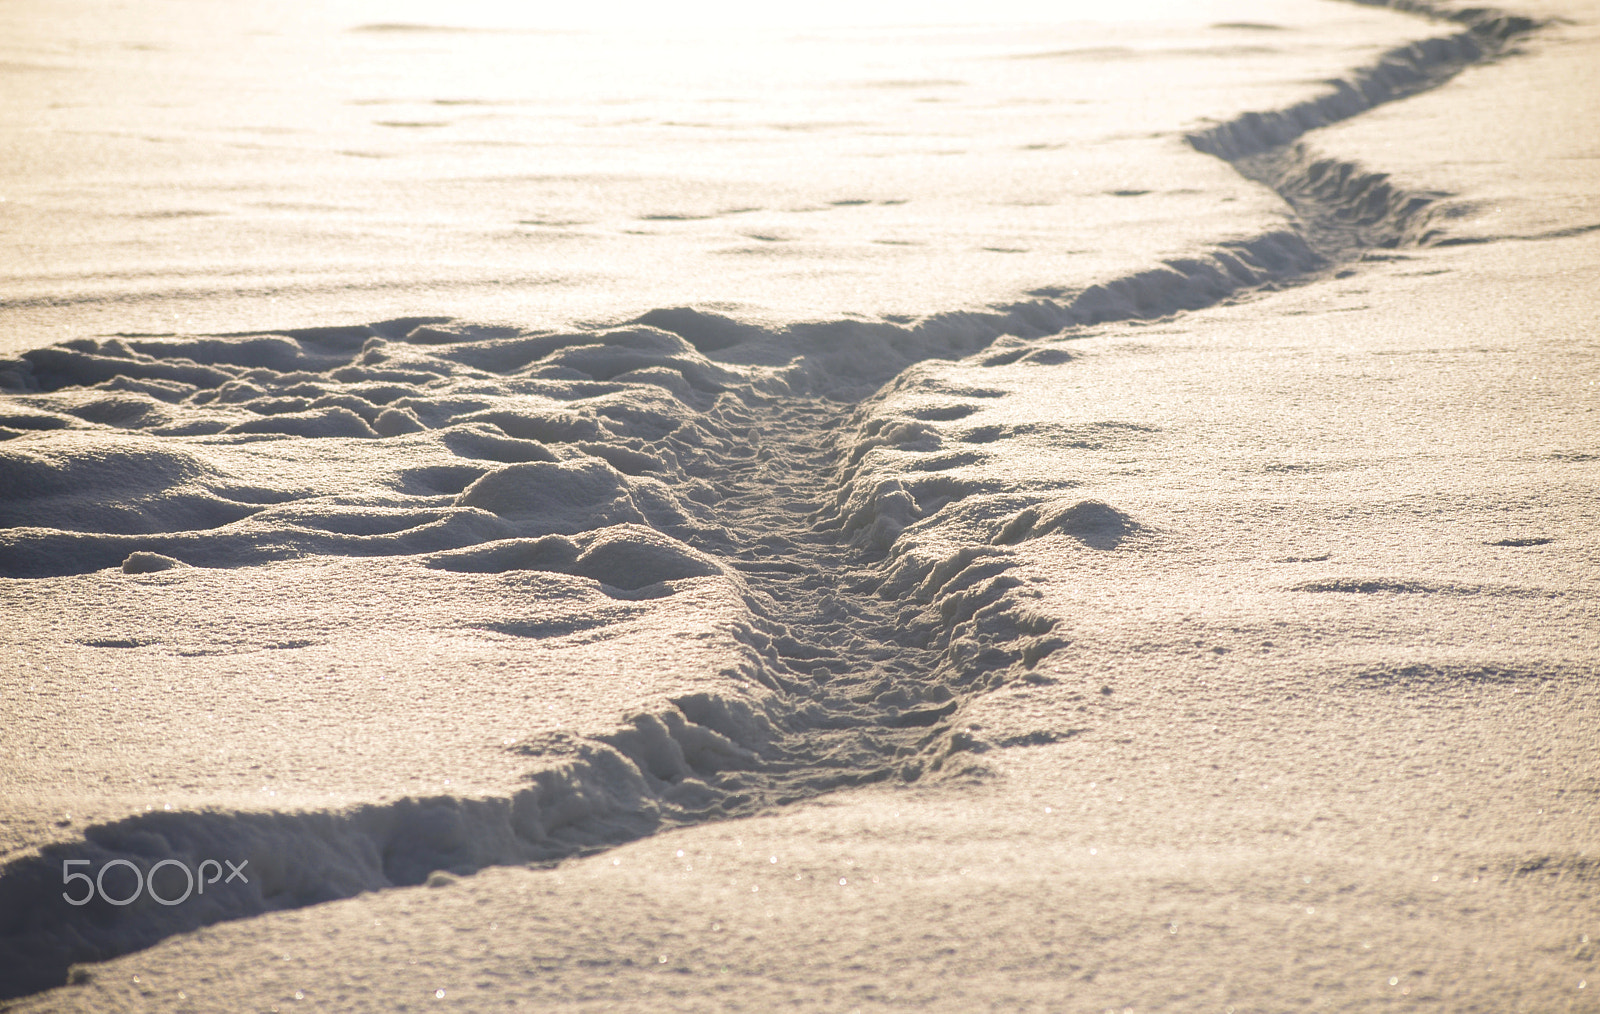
pixel 564 497
pixel 622 556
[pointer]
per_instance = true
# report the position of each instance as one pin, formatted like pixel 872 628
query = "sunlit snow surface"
pixel 438 437
pixel 303 172
pixel 232 166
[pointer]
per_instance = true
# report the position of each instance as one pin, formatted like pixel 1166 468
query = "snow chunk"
pixel 148 563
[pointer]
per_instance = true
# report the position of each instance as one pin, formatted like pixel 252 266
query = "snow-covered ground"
pixel 1020 516
pixel 217 167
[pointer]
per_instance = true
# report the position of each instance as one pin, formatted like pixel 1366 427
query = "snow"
pixel 253 166
pixel 1195 584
